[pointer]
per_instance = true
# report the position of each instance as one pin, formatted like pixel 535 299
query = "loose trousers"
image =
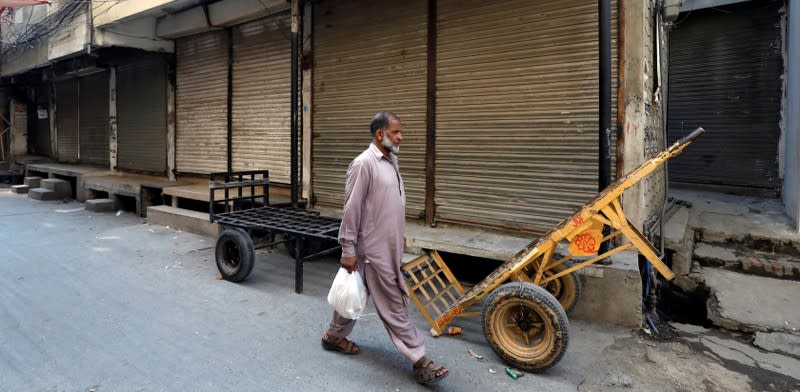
pixel 392 306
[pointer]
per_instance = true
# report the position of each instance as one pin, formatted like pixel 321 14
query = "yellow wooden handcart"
pixel 524 317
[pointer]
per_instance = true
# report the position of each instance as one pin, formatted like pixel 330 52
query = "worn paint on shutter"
pixel 201 103
pixel 93 119
pixel 517 110
pixel 67 120
pixel 369 56
pixel 725 74
pixel 261 97
pixel 142 116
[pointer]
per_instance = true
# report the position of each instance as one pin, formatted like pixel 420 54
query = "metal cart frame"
pixel 523 322
pixel 248 216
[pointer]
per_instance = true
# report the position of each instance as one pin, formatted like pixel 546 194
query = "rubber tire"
pixel 554 321
pixel 244 251
pixel 571 289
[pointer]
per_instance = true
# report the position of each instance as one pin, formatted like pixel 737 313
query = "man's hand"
pixel 349 263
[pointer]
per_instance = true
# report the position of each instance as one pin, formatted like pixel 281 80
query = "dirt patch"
pixel 636 364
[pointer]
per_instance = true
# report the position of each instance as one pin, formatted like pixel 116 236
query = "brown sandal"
pixel 342 345
pixel 429 373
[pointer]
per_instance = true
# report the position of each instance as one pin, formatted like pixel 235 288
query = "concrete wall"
pixel 70 39
pixel 137 33
pixel 642 128
pixel 222 13
pixel 23 58
pixel 107 12
pixel 791 180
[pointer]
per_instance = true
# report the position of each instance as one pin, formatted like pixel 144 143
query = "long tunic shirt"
pixel 373 224
pixel 372 229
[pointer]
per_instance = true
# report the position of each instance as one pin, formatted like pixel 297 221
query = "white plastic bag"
pixel 348 294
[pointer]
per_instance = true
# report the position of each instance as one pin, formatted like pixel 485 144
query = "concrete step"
pixel 100 205
pixel 739 257
pixel 750 303
pixel 33 182
pixel 60 187
pixel 20 189
pixel 182 219
pixel 44 194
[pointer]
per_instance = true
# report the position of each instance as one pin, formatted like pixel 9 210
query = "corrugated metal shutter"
pixel 368 56
pixel 725 74
pixel 67 120
pixel 142 116
pixel 93 119
pixel 201 103
pixel 517 110
pixel 261 101
pixel 42 134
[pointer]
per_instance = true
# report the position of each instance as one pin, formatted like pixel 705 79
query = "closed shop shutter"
pixel 41 142
pixel 261 97
pixel 142 116
pixel 517 110
pixel 368 56
pixel 93 119
pixel 201 103
pixel 67 120
pixel 725 74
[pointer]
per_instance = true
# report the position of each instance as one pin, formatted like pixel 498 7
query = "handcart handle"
pixel 690 137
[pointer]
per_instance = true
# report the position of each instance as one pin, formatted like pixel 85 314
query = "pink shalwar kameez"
pixel 373 229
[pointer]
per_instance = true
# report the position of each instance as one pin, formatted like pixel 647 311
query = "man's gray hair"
pixel 381 121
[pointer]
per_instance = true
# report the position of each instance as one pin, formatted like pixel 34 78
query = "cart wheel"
pixel 235 254
pixel 526 326
pixel 567 289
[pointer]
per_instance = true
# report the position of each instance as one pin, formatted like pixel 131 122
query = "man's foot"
pixel 426 372
pixel 342 345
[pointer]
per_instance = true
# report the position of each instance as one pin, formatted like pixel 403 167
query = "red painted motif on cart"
pixel 586 243
pixel 448 317
pixel 577 221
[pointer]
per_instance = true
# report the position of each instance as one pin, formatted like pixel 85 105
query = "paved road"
pixel 109 302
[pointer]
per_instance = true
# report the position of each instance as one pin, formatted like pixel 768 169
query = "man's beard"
pixel 395 148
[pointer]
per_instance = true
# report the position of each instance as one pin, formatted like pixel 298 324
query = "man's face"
pixel 392 136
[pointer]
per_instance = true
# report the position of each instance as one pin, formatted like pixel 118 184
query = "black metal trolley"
pixel 250 222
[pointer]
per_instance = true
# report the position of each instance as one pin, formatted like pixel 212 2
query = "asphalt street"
pixel 104 302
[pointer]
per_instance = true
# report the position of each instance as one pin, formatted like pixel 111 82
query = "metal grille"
pixel 286 220
pixel 201 103
pixel 725 74
pixel 142 116
pixel 67 120
pixel 261 88
pixel 93 119
pixel 369 56
pixel 517 110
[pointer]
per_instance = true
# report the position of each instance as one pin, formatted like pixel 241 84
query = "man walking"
pixel 372 240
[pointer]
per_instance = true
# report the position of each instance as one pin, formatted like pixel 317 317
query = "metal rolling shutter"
pixel 726 76
pixel 517 110
pixel 261 101
pixel 201 103
pixel 369 56
pixel 42 133
pixel 93 119
pixel 142 116
pixel 67 120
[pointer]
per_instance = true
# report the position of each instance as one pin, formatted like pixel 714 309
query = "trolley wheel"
pixel 567 289
pixel 526 326
pixel 235 254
